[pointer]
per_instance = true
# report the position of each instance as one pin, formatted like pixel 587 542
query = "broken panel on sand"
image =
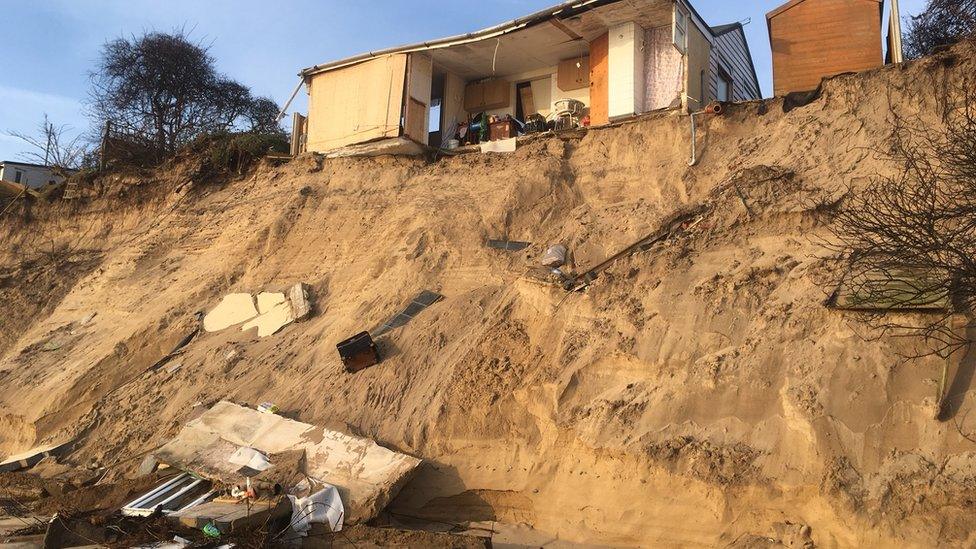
pixel 366 475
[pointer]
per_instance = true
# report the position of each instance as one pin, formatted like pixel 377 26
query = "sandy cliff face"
pixel 696 393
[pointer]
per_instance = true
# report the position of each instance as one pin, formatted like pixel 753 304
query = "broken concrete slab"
pixel 32 457
pixel 148 465
pixel 268 300
pixel 301 307
pixel 275 317
pixel 367 475
pixel 232 310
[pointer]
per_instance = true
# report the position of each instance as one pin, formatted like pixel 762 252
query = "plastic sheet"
pixel 323 506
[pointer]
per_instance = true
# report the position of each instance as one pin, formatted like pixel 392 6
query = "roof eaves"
pixel 719 30
pixel 566 9
pixel 794 3
pixel 571 7
pixel 31 164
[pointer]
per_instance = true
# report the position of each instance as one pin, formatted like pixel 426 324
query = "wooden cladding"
pixel 487 95
pixel 599 80
pixel 356 104
pixel 573 74
pixel 812 39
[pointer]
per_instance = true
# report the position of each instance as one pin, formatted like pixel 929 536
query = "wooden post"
pixel 102 160
pixel 297 134
pixel 894 34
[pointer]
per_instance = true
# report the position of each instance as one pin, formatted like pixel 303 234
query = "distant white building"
pixel 33 176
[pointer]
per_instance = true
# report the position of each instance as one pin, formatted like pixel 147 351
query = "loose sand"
pixel 697 394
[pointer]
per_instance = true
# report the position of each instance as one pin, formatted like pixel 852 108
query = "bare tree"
pixel 52 146
pixel 166 87
pixel 943 22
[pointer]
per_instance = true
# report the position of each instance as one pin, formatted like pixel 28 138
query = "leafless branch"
pixel 908 241
pixel 52 146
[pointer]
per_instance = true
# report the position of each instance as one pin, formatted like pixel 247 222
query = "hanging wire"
pixel 498 42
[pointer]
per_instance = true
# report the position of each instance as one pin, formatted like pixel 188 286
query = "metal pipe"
pixel 715 108
pixel 281 113
pixel 156 491
pixel 197 501
pixel 182 491
pixel 694 139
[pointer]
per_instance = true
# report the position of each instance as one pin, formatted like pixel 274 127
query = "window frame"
pixel 680 19
pixel 726 77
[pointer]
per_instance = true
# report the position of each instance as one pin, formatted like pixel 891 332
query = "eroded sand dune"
pixel 696 394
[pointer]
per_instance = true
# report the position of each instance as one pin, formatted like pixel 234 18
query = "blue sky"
pixel 48 47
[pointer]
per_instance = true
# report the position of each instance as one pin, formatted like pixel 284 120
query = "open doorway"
pixel 435 120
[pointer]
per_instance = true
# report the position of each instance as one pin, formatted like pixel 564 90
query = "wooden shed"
pixel 812 39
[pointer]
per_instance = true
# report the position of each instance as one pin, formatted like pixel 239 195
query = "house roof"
pixel 569 17
pixel 719 30
pixel 722 30
pixel 794 3
pixel 31 165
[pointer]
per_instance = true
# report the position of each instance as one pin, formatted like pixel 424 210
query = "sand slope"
pixel 697 394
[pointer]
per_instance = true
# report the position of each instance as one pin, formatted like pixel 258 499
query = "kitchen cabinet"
pixel 487 95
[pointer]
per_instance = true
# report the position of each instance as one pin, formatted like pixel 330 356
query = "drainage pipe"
pixel 715 108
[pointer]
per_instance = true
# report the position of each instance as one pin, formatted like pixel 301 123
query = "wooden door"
pixel 599 81
pixel 418 86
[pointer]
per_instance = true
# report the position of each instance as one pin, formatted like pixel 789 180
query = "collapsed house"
pixel 576 64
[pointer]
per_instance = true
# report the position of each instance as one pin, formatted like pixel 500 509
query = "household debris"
pixel 508 245
pixel 358 352
pixel 877 291
pixel 314 503
pixel 233 309
pixel 366 475
pixel 714 108
pixel 268 408
pixel 275 313
pixel 555 256
pixel 269 313
pixel 423 300
pixel 176 494
pixel 673 226
pixel 32 457
pixel 499 146
pixel 217 518
pixel 301 306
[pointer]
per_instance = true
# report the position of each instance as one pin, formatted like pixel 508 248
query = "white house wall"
pixel 626 69
pixel 34 177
